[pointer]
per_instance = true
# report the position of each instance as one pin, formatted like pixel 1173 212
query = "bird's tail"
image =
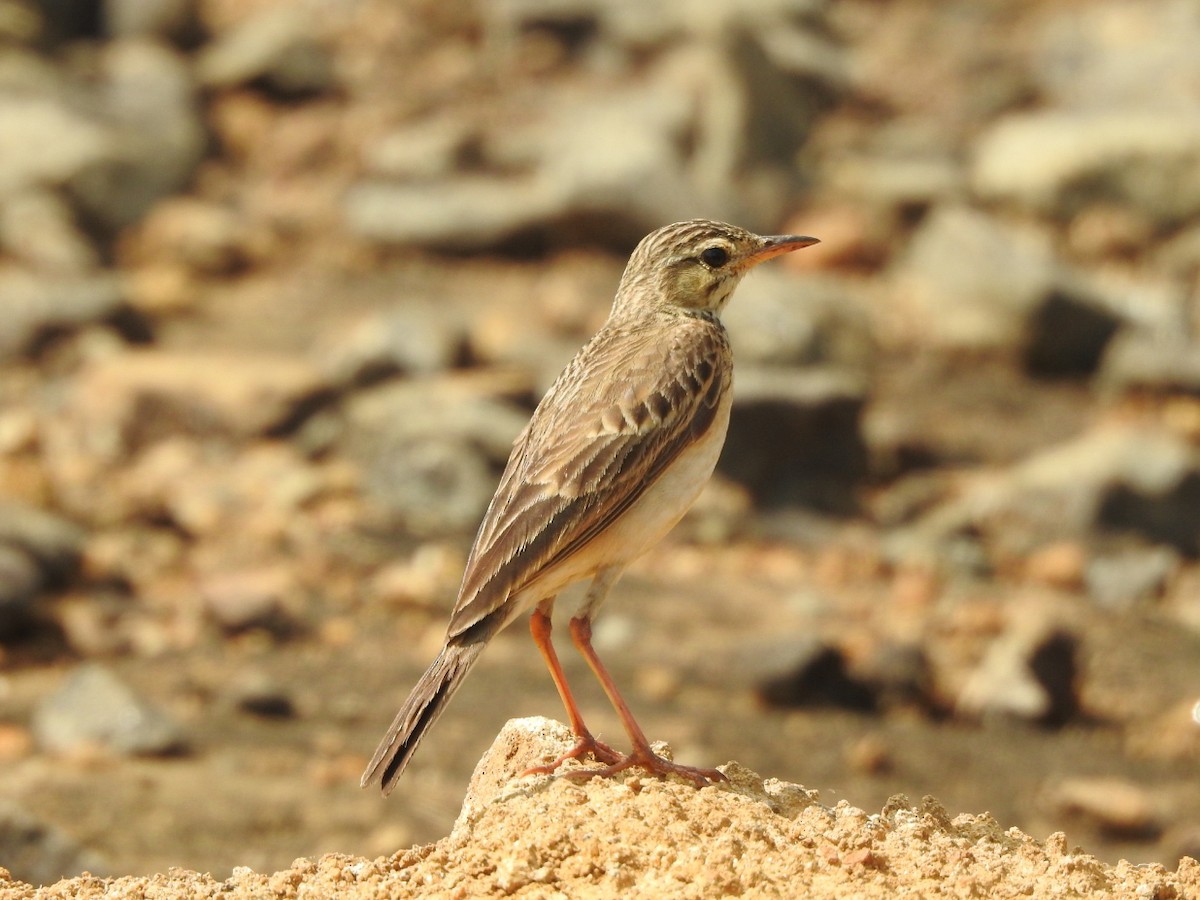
pixel 426 702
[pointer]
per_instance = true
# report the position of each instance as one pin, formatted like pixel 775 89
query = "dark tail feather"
pixel 426 702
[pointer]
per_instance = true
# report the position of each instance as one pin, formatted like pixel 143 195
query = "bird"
pixel 613 456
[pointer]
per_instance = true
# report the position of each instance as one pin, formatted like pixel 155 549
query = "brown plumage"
pixel 613 456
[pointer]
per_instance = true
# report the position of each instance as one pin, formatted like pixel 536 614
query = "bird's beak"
pixel 776 245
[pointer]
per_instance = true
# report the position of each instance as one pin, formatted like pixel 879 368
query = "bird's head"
pixel 695 265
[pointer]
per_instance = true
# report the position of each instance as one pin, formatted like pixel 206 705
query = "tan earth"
pixel 543 836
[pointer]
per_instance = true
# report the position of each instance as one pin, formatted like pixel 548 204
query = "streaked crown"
pixel 694 266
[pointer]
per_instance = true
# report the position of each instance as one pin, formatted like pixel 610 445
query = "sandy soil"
pixel 545 836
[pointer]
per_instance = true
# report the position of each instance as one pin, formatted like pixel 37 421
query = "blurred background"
pixel 281 281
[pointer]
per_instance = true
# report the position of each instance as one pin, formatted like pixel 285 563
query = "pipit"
pixel 615 454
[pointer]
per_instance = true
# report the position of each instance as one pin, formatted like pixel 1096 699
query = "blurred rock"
pixel 131 400
pixel 54 543
pixel 1169 514
pixel 40 853
pixel 898 674
pixel 421 150
pixel 44 143
pixel 1154 363
pixel 978 284
pixel 38 308
pixel 171 19
pixel 204 237
pixel 413 340
pixel 1114 54
pixel 1067 334
pixel 795 438
pixel 899 181
pixel 259 694
pixel 610 162
pixel 1057 161
pixel 1030 673
pixel 38 227
pixel 805 672
pixel 1124 579
pixel 93 708
pixel 779 319
pixel 1114 806
pixel 430 453
pixel 276 48
pixel 1059 565
pixel 252 598
pixel 1119 478
pixel 144 93
pixel 20 582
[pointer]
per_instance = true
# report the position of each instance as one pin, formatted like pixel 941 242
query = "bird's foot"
pixel 585 745
pixel 646 759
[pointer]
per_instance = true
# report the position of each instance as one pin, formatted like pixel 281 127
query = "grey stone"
pixel 253 598
pixel 1141 361
pixel 54 543
pixel 1118 808
pixel 39 307
pixel 38 227
pixel 795 437
pixel 902 180
pixel 978 284
pixel 415 339
pixel 38 852
pixel 43 143
pixel 779 319
pixel 973 282
pixel 464 213
pixel 1123 55
pixel 431 455
pixel 1119 478
pixel 1123 579
pixel 1057 162
pixel 276 47
pixel 420 150
pixel 1031 673
pixel 696 133
pixel 95 708
pixel 145 95
pixel 130 400
pixel 171 19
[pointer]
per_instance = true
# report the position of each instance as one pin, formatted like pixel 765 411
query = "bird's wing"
pixel 599 439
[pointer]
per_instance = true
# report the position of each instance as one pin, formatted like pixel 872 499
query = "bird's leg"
pixel 642 756
pixel 540 627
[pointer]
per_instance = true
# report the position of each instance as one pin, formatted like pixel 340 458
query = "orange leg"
pixel 540 627
pixel 642 756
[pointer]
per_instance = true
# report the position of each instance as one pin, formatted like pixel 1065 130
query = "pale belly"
pixel 644 524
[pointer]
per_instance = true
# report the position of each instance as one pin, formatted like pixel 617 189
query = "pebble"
pixel 1115 806
pixel 1030 673
pixel 252 598
pixel 94 708
pixel 276 47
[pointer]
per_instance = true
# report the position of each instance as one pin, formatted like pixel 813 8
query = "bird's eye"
pixel 714 257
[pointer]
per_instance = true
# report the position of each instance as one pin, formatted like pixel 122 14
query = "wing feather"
pixel 614 421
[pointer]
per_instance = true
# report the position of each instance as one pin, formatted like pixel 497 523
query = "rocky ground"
pixel 543 836
pixel 280 282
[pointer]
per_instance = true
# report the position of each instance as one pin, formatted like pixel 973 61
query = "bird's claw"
pixel 585 745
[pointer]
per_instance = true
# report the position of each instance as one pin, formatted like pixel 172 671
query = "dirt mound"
pixel 639 837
